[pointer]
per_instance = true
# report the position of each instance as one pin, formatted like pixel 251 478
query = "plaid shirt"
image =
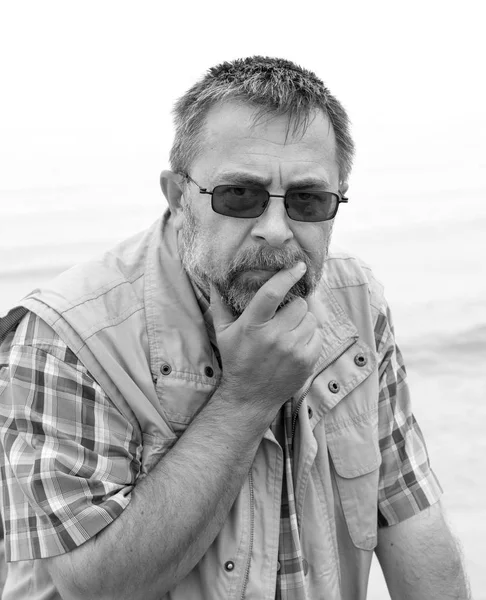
pixel 70 458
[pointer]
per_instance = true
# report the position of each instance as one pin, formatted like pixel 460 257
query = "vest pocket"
pixel 356 458
pixel 181 397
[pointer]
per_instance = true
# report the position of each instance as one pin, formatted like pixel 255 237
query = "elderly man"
pixel 217 408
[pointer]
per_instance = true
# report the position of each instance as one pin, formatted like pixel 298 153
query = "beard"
pixel 238 282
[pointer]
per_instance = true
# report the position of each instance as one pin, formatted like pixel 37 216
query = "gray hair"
pixel 276 86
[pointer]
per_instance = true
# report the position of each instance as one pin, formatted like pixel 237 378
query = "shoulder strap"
pixel 11 320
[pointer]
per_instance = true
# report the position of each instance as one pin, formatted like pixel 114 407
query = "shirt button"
pixel 309 412
pixel 278 565
pixel 360 360
pixel 208 371
pixel 305 564
pixel 229 565
pixel 165 369
pixel 334 387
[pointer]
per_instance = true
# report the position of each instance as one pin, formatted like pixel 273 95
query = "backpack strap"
pixel 11 320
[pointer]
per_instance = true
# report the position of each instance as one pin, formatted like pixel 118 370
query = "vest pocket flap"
pixel 354 447
pixel 355 456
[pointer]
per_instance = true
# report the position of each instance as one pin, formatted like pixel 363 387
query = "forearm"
pixel 174 513
pixel 425 566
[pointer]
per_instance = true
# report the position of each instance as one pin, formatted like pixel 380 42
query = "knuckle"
pixel 309 324
pixel 282 344
pixel 310 318
pixel 271 294
pixel 290 278
pixel 301 360
pixel 300 303
pixel 250 328
pixel 285 344
pixel 315 348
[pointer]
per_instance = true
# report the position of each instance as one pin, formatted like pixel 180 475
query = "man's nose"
pixel 273 225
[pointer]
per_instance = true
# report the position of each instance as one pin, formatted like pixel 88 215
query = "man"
pixel 217 408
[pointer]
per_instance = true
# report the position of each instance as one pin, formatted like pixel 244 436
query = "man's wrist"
pixel 252 413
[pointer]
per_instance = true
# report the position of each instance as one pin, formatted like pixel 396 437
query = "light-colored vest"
pixel 133 320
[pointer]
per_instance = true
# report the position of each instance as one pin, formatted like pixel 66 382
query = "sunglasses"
pixel 243 202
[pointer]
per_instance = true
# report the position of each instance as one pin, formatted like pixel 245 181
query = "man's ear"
pixel 171 185
pixel 343 187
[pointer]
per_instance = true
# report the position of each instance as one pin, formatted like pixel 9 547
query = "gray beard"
pixel 235 290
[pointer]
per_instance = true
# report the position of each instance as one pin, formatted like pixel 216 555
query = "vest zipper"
pixel 252 527
pixel 331 359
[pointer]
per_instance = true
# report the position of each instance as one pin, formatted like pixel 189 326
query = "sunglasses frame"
pixel 338 195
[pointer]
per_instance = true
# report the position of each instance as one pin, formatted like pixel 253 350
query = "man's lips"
pixel 258 274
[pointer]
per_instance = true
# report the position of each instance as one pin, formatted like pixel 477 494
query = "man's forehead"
pixel 235 118
pixel 238 138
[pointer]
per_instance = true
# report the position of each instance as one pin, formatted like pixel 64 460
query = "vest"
pixel 133 320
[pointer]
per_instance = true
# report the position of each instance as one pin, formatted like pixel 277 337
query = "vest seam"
pixel 103 293
pixel 334 426
pixel 125 318
pixel 348 285
pixel 344 258
pixel 194 377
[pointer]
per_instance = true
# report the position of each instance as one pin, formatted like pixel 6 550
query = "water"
pixel 425 242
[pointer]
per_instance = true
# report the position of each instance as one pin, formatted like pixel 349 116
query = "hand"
pixel 267 354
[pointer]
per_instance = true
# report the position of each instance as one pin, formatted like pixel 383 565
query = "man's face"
pixel 239 255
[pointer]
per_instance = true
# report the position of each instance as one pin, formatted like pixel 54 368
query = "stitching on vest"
pixel 195 377
pixel 91 298
pixel 335 426
pixel 114 322
pixel 342 287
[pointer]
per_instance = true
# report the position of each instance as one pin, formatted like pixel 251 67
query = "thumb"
pixel 222 315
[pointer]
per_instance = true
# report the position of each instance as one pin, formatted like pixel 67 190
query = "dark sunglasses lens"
pixel 240 202
pixel 311 206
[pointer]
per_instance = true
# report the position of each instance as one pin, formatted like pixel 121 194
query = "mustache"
pixel 264 257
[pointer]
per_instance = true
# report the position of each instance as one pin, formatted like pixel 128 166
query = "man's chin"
pixel 239 290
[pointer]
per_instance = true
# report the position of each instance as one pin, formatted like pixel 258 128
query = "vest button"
pixel 305 564
pixel 334 387
pixel 208 371
pixel 278 565
pixel 309 412
pixel 165 369
pixel 360 360
pixel 229 565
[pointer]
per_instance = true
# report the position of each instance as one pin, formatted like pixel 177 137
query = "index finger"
pixel 266 301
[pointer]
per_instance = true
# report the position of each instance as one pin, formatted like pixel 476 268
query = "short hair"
pixel 275 86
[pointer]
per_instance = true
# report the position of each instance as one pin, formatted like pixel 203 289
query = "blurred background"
pixel 86 91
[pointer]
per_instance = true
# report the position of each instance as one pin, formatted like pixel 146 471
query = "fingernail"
pixel 302 266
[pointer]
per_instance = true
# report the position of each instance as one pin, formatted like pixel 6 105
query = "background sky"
pixel 86 90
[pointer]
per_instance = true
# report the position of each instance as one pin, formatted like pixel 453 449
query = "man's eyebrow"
pixel 242 178
pixel 315 183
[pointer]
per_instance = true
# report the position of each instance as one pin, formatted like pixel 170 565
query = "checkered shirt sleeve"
pixel 69 459
pixel 407 483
